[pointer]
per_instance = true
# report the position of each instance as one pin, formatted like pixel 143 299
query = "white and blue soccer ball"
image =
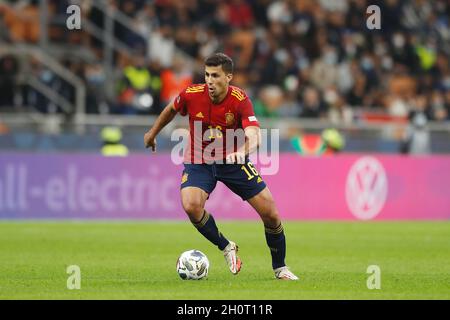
pixel 193 265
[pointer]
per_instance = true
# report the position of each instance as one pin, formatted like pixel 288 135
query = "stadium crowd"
pixel 308 59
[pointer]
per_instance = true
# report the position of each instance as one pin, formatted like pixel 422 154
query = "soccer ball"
pixel 192 265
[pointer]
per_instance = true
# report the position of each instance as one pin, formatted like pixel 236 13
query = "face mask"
pixel 367 64
pixel 380 49
pixel 399 41
pixel 350 49
pixel 446 83
pixel 420 120
pixel 96 78
pixel 387 63
pixel 281 56
pixel 302 63
pixel 46 76
pixel 330 96
pixel 291 83
pixel 330 58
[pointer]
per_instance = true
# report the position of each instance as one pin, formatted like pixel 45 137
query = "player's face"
pixel 217 81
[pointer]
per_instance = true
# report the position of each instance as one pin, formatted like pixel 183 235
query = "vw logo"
pixel 366 188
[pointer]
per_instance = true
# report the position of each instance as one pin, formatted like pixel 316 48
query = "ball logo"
pixel 366 188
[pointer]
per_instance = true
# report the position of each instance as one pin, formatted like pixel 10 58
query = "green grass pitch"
pixel 136 260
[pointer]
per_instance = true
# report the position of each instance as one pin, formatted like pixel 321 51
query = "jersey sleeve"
pixel 180 103
pixel 247 114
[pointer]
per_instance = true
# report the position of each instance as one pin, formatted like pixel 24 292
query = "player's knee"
pixel 271 217
pixel 272 220
pixel 193 208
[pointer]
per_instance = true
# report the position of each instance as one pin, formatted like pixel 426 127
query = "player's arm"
pixel 252 142
pixel 163 119
pixel 252 133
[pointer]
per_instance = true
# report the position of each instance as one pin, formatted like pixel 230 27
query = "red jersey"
pixel 210 124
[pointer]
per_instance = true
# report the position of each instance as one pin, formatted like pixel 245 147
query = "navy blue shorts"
pixel 243 180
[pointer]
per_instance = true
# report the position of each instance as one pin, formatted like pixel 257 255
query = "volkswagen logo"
pixel 366 188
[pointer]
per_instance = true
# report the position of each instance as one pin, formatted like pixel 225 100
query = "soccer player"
pixel 217 109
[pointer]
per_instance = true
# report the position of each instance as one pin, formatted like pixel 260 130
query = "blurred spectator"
pixel 174 80
pixel 270 98
pixel 240 14
pixel 4 31
pixel 138 88
pixel 356 95
pixel 147 21
pixel 438 110
pixel 3 128
pixel 312 106
pixel 161 46
pixel 96 97
pixel 324 71
pixel 8 71
pixel 22 23
pixel 112 145
pixel 279 11
pixel 402 88
pixel 447 103
pixel 128 36
pixel 339 113
pixel 416 139
pixel 316 44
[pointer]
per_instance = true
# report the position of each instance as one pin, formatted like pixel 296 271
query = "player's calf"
pixel 208 228
pixel 276 242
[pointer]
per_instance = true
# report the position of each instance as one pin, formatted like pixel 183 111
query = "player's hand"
pixel 236 157
pixel 150 141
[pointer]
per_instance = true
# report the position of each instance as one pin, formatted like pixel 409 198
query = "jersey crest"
pixel 229 118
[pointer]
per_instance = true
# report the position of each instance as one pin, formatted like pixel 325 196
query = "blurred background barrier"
pixel 343 187
pixel 44 133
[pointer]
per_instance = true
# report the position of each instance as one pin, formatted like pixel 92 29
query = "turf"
pixel 136 260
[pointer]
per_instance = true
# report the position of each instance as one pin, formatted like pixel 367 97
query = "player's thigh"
pixel 197 182
pixel 200 176
pixel 193 200
pixel 264 204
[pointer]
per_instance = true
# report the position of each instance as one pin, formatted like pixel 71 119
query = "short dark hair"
pixel 220 59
